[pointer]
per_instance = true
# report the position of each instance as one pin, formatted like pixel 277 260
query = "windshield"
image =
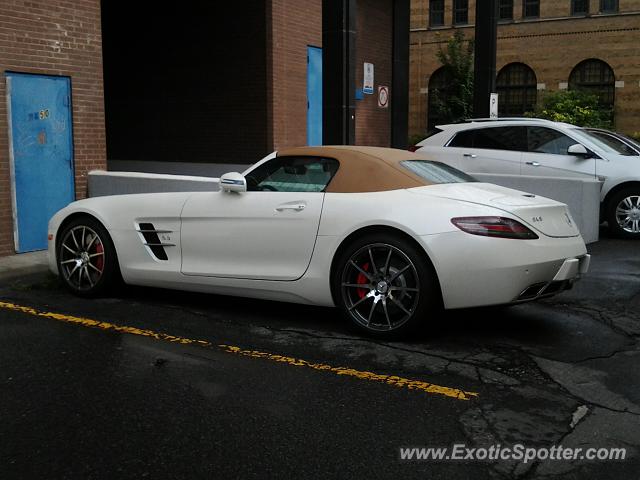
pixel 589 137
pixel 436 172
pixel 632 141
pixel 614 142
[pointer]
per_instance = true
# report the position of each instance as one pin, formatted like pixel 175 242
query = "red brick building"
pixel 60 38
pixel 218 82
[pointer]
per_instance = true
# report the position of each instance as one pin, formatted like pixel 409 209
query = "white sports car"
pixel 383 234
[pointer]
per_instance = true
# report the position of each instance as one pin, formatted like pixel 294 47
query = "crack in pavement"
pixel 604 357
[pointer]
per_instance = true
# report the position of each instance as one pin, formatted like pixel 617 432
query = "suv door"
pixel 547 155
pixel 490 149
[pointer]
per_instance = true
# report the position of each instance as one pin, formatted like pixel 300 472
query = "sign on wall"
pixel 493 106
pixel 383 96
pixel 368 79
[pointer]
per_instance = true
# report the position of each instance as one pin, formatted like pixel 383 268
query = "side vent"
pixel 152 240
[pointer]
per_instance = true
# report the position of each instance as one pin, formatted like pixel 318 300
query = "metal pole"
pixel 484 75
pixel 338 72
pixel 400 75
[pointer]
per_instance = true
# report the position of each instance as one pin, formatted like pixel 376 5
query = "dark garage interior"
pixel 186 83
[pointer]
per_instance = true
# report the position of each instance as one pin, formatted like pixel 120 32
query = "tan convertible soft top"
pixel 365 169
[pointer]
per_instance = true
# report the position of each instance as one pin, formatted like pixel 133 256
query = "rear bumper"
pixel 479 271
pixel 568 273
pixel 573 267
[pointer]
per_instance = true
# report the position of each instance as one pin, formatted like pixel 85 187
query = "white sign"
pixel 368 79
pixel 493 106
pixel 383 96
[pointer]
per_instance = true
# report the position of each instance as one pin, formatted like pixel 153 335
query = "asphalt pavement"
pixel 164 384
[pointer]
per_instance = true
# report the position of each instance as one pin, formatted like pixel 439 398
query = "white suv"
pixel 526 146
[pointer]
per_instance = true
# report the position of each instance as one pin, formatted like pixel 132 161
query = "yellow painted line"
pixel 393 380
pixel 362 375
pixel 87 322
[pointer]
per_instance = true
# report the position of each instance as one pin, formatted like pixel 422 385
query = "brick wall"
pixel 374 24
pixel 54 37
pixel 551 46
pixel 295 24
pixel 292 26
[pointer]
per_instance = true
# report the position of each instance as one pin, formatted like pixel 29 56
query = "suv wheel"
pixel 623 213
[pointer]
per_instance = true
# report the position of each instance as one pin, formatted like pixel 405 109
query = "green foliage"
pixel 575 107
pixel 455 102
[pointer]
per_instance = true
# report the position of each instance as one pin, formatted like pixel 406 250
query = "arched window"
pixel 594 76
pixel 437 97
pixel 517 89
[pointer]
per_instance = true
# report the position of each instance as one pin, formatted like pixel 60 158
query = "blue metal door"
pixel 314 96
pixel 41 151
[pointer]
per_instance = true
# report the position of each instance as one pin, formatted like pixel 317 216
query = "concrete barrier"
pixel 101 183
pixel 581 195
pixel 176 168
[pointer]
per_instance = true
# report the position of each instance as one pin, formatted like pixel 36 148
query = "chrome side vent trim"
pixel 152 240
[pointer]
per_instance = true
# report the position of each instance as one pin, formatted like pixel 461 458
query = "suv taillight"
pixel 413 148
pixel 500 227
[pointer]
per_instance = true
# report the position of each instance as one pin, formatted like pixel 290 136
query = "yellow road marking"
pixel 298 362
pixel 87 322
pixel 362 375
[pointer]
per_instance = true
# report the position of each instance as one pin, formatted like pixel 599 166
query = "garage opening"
pixel 185 84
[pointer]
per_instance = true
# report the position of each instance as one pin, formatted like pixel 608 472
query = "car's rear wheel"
pixel 87 261
pixel 386 286
pixel 623 213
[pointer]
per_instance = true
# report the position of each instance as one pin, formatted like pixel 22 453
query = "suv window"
pixel 292 174
pixel 547 140
pixel 614 142
pixel 493 138
pixel 463 139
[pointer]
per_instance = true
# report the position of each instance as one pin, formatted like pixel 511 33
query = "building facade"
pixel 543 45
pixel 52 126
pixel 233 93
pixel 92 82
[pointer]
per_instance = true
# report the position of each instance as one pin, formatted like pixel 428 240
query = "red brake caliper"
pixel 362 279
pixel 99 258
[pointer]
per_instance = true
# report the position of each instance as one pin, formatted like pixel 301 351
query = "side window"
pixel 546 140
pixel 494 138
pixel 292 174
pixel 463 139
pixel 501 138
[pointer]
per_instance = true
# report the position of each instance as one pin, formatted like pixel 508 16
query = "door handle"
pixel 298 207
pixel 470 155
pixel 533 164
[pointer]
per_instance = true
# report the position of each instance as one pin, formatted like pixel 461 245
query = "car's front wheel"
pixel 86 257
pixel 386 286
pixel 623 213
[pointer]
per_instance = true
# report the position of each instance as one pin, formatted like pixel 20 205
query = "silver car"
pixel 528 146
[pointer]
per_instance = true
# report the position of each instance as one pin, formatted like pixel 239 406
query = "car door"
pixel 547 156
pixel 267 232
pixel 489 149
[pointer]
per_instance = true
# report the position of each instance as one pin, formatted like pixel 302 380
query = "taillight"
pixel 413 148
pixel 501 227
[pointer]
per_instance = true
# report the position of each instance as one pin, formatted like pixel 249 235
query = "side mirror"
pixel 233 182
pixel 578 150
